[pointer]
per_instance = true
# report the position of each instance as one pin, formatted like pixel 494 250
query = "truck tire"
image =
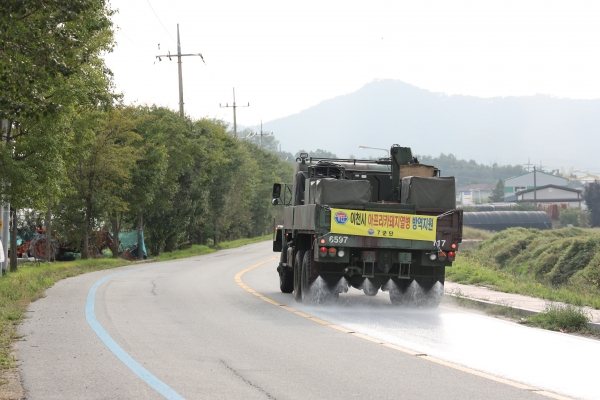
pixel 316 290
pixel 298 261
pixel 286 280
pixel 308 295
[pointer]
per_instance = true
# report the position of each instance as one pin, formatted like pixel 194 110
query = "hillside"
pixel 503 130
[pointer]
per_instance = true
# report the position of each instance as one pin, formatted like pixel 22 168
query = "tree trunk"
pixel 13 240
pixel 215 235
pixel 140 241
pixel 48 229
pixel 86 230
pixel 116 228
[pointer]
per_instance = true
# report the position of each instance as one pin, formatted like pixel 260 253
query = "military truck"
pixel 389 224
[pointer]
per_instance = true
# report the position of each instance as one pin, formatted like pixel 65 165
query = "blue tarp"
pixel 129 241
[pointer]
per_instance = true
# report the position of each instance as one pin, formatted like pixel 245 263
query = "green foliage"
pixel 557 317
pixel 574 216
pixel 590 275
pixel 51 73
pixel 318 153
pixel 469 172
pixel 45 44
pixel 591 195
pixel 561 265
pixel 473 233
pixel 497 194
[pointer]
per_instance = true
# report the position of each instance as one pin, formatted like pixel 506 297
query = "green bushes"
pixel 473 233
pixel 574 217
pixel 560 318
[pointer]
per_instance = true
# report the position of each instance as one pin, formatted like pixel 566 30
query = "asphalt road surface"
pixel 189 329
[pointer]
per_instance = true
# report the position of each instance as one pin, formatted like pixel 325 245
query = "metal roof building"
pixel 551 194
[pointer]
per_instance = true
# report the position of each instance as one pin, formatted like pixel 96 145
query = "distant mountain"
pixel 507 130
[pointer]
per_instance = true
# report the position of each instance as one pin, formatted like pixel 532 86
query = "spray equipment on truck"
pixel 375 224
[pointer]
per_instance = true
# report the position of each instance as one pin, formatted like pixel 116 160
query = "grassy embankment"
pixel 560 265
pixel 18 289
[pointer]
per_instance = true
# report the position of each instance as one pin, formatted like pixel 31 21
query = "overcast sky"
pixel 284 56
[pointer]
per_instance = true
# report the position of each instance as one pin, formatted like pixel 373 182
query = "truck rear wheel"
pixel 318 290
pixel 286 279
pixel 298 261
pixel 308 297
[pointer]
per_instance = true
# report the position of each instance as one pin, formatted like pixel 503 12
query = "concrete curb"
pixel 594 326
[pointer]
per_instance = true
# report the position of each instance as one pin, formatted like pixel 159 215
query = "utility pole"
pixel 4 209
pixel 234 106
pixel 534 187
pixel 261 134
pixel 179 55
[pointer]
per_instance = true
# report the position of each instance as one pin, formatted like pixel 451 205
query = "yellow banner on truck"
pixel 383 224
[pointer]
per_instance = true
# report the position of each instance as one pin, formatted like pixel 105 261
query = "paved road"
pixel 200 334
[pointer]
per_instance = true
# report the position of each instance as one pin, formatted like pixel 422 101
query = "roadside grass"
pixel 243 242
pixel 469 270
pixel 563 318
pixel 195 250
pixel 555 317
pixel 198 250
pixel 558 265
pixel 19 289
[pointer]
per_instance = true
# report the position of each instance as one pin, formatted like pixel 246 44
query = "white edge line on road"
pixel 238 279
pixel 121 354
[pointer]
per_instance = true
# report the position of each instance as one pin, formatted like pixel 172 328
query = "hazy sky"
pixel 284 56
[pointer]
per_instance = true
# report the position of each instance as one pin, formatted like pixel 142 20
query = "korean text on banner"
pixel 383 224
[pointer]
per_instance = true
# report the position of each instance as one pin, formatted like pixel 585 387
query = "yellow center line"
pixel 238 279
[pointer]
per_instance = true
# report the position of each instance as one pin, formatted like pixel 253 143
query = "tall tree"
pixel 591 195
pixel 50 72
pixel 43 43
pixel 497 194
pixel 103 175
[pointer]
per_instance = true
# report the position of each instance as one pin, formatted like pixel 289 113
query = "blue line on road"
pixel 121 354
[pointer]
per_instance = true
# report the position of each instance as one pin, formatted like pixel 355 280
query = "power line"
pixel 156 15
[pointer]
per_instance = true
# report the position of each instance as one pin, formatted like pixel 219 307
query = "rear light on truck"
pixel 341 253
pixel 332 251
pixel 451 255
pixel 454 246
pixel 323 251
pixel 442 256
pixel 322 241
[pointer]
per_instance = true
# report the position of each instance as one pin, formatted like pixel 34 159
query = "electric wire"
pixel 156 15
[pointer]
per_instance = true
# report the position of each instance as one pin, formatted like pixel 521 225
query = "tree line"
pixel 73 154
